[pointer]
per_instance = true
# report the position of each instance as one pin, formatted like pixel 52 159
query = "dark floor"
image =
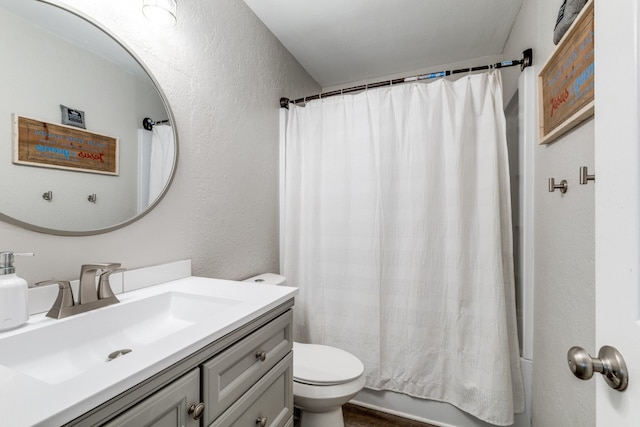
pixel 357 416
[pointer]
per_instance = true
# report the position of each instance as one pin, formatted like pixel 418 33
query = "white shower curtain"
pixel 162 155
pixel 397 229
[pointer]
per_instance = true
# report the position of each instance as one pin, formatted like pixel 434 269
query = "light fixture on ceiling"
pixel 161 12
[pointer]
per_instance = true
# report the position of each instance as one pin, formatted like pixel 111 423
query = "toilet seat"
pixel 322 365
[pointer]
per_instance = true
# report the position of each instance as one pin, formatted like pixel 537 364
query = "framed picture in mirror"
pixel 38 143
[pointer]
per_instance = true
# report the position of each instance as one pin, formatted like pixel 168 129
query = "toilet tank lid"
pixel 267 279
pixel 324 365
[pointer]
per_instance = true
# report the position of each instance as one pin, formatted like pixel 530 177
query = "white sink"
pixel 52 371
pixel 69 347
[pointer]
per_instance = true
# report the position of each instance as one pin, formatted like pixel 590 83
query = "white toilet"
pixel 324 378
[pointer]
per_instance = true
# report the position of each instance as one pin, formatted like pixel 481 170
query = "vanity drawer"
pixel 227 376
pixel 270 400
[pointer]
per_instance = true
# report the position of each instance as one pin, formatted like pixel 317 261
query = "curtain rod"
pixel 524 62
pixel 147 123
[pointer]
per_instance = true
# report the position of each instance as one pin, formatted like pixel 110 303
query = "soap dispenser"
pixel 14 310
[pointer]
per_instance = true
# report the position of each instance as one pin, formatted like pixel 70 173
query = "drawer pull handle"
pixel 261 355
pixel 261 421
pixel 196 411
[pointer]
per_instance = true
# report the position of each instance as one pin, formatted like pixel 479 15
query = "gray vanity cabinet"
pixel 244 378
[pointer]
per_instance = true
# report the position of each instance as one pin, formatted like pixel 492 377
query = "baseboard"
pixel 399 413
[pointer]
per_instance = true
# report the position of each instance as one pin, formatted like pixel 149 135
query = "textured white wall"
pixel 564 304
pixel 223 73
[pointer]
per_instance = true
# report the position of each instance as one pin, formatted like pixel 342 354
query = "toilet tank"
pixel 268 279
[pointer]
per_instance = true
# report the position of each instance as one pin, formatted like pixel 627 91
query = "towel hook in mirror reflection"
pixel 584 175
pixel 92 198
pixel 562 186
pixel 48 196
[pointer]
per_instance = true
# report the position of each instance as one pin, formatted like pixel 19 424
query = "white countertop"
pixel 26 400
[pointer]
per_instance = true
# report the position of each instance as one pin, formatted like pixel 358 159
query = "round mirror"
pixel 76 157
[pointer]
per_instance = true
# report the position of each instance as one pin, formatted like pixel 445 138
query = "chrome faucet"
pixel 89 297
pixel 88 273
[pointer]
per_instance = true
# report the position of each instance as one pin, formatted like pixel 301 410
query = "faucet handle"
pixel 64 299
pixel 104 287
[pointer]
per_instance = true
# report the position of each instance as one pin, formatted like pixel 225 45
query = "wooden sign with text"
pixel 566 82
pixel 49 145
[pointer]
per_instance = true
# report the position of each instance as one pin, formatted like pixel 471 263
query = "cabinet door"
pixel 168 407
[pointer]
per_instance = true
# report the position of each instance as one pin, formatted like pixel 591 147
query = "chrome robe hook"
pixel 562 186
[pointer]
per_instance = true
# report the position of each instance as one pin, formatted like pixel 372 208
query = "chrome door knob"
pixel 196 411
pixel 609 363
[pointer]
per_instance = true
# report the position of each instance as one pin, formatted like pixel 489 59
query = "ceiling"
pixel 344 41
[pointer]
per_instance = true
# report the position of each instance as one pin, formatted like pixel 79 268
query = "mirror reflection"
pixel 53 58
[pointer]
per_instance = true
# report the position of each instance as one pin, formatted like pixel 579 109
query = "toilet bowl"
pixel 324 377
